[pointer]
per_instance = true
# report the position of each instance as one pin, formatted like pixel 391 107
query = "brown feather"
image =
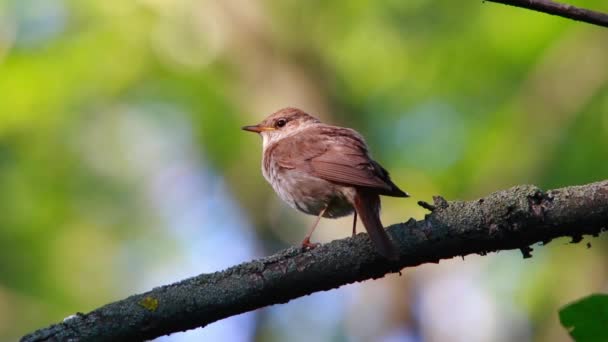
pixel 335 154
pixel 367 205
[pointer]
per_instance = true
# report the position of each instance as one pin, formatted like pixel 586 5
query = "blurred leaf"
pixel 587 319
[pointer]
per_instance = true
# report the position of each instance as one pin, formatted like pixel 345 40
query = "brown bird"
pixel 325 171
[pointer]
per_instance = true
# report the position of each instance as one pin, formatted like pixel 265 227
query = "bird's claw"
pixel 307 245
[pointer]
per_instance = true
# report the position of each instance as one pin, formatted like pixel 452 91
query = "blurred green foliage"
pixel 455 97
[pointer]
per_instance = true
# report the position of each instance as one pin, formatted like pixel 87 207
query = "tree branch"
pixel 559 9
pixel 509 219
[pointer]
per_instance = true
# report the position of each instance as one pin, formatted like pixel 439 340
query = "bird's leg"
pixel 355 224
pixel 306 243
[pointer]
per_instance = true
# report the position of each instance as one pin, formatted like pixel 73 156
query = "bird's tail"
pixel 367 205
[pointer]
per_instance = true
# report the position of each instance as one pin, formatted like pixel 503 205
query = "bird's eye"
pixel 281 122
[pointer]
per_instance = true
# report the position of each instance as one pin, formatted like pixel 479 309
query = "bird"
pixel 325 171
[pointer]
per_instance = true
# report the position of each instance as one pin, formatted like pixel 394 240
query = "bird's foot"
pixel 307 245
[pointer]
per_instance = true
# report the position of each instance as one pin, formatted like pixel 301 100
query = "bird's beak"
pixel 257 128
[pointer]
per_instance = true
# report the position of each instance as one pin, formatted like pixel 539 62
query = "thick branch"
pixel 509 219
pixel 559 9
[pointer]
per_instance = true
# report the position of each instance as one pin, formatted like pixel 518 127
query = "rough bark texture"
pixel 559 9
pixel 511 219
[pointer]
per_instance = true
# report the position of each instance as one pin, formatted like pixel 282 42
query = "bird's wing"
pixel 335 154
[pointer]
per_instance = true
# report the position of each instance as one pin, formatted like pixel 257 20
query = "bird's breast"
pixel 308 193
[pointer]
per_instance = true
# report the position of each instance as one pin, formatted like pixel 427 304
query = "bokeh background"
pixel 122 165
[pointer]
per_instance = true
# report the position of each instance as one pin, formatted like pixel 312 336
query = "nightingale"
pixel 325 171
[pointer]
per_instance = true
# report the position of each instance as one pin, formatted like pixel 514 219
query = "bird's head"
pixel 281 124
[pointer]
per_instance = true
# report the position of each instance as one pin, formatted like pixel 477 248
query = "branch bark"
pixel 559 9
pixel 510 219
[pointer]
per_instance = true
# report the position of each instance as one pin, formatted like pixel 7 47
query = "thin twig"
pixel 559 9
